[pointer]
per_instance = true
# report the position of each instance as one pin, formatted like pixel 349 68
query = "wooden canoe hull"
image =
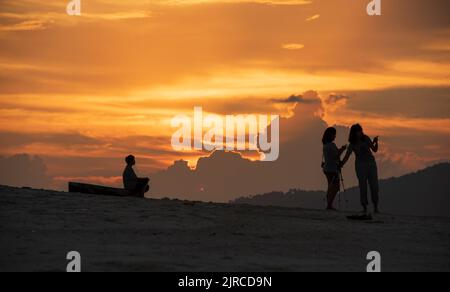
pixel 75 187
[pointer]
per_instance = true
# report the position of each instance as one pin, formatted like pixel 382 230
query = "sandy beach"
pixel 127 234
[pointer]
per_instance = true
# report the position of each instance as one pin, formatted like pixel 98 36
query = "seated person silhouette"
pixel 135 185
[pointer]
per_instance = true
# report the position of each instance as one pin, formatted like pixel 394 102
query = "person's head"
pixel 329 136
pixel 130 160
pixel 356 134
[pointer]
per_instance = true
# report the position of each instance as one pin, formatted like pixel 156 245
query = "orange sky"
pixel 108 82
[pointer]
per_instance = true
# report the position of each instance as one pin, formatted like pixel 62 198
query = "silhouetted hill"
pixel 424 193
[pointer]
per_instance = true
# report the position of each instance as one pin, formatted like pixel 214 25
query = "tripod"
pixel 343 188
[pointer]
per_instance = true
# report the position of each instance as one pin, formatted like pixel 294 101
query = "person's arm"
pixel 342 150
pixel 346 157
pixel 373 144
pixel 137 178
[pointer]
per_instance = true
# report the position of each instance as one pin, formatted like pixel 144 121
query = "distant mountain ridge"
pixel 423 193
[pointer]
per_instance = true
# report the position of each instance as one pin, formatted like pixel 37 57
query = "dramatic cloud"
pixel 15 140
pixel 296 99
pixel 293 46
pixel 223 176
pixel 24 171
pixel 389 47
pixel 414 102
pixel 336 98
pixel 314 17
pixel 24 26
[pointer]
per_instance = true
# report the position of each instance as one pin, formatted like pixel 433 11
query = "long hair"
pixel 353 138
pixel 329 135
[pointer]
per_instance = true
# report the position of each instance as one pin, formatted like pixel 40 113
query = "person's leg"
pixel 142 186
pixel 374 186
pixel 147 188
pixel 333 189
pixel 361 173
pixel 329 190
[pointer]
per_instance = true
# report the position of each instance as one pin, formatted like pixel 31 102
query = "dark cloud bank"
pixel 24 170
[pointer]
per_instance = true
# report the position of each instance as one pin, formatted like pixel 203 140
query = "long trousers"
pixel 367 174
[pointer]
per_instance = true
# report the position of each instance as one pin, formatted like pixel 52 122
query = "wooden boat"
pixel 75 187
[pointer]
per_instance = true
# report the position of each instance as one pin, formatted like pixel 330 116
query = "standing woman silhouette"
pixel 332 160
pixel 365 165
